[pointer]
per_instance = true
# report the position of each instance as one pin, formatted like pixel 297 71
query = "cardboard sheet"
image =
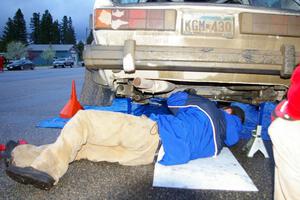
pixel 220 173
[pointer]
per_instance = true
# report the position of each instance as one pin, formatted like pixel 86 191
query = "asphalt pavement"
pixel 27 97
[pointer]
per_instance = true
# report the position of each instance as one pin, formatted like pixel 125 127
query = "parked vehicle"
pixel 226 50
pixel 20 65
pixel 81 63
pixel 60 62
pixel 63 62
pixel 69 62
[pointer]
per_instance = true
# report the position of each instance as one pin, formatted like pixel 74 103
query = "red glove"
pixel 22 142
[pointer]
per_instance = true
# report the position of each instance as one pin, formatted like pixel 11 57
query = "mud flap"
pixel 93 93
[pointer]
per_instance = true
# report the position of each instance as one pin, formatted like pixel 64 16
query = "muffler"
pixel 153 86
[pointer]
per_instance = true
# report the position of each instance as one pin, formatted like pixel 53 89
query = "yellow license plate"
pixel 210 25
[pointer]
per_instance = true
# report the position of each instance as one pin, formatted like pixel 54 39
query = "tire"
pixel 94 94
pixel 21 68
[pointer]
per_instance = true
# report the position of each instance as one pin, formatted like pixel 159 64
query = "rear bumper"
pixel 193 59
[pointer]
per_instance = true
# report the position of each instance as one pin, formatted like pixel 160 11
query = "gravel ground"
pixel 28 97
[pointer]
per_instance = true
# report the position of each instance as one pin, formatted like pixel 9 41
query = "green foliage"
pixel 48 31
pixel 80 48
pixel 20 27
pixel 90 38
pixel 71 32
pixel 9 33
pixel 67 31
pixel 35 26
pixel 64 30
pixel 2 46
pixel 46 28
pixel 48 55
pixel 55 32
pixel 16 50
pixel 14 30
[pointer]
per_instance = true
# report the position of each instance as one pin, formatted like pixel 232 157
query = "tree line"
pixel 43 30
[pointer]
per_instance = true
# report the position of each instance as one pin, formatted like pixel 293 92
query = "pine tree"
pixel 56 32
pixel 14 30
pixel 64 30
pixel 67 31
pixel 90 38
pixel 46 34
pixel 9 33
pixel 71 32
pixel 2 45
pixel 20 27
pixel 80 47
pixel 35 26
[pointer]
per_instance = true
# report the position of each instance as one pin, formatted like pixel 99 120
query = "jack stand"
pixel 256 144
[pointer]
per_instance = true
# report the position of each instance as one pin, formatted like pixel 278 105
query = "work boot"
pixel 6 155
pixel 29 175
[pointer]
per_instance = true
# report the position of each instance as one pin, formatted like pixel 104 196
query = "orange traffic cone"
pixel 72 106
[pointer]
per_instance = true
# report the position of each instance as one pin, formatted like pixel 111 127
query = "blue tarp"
pixel 252 118
pixel 158 106
pixel 124 105
pixel 55 122
pixel 119 105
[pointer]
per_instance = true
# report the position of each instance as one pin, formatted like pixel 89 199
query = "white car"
pixel 63 62
pixel 226 50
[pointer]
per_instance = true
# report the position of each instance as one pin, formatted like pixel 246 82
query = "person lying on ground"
pixel 196 129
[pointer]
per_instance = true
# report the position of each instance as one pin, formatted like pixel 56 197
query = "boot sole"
pixel 29 175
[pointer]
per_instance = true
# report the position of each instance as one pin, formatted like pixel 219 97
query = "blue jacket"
pixel 197 129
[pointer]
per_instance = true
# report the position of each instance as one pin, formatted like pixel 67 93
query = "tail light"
pixel 269 24
pixel 135 19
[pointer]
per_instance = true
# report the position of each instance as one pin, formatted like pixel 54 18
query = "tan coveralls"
pixel 96 136
pixel 285 136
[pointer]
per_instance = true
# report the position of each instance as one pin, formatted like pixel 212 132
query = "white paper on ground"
pixel 220 173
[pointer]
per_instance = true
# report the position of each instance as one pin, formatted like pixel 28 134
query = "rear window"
pixel 18 62
pixel 275 4
pixel 278 4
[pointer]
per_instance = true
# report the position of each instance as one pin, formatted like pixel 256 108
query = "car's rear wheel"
pixel 93 93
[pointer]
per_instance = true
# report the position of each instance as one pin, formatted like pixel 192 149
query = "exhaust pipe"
pixel 153 86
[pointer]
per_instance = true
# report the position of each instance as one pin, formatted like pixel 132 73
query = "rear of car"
pixel 224 50
pixel 63 62
pixel 60 62
pixel 69 62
